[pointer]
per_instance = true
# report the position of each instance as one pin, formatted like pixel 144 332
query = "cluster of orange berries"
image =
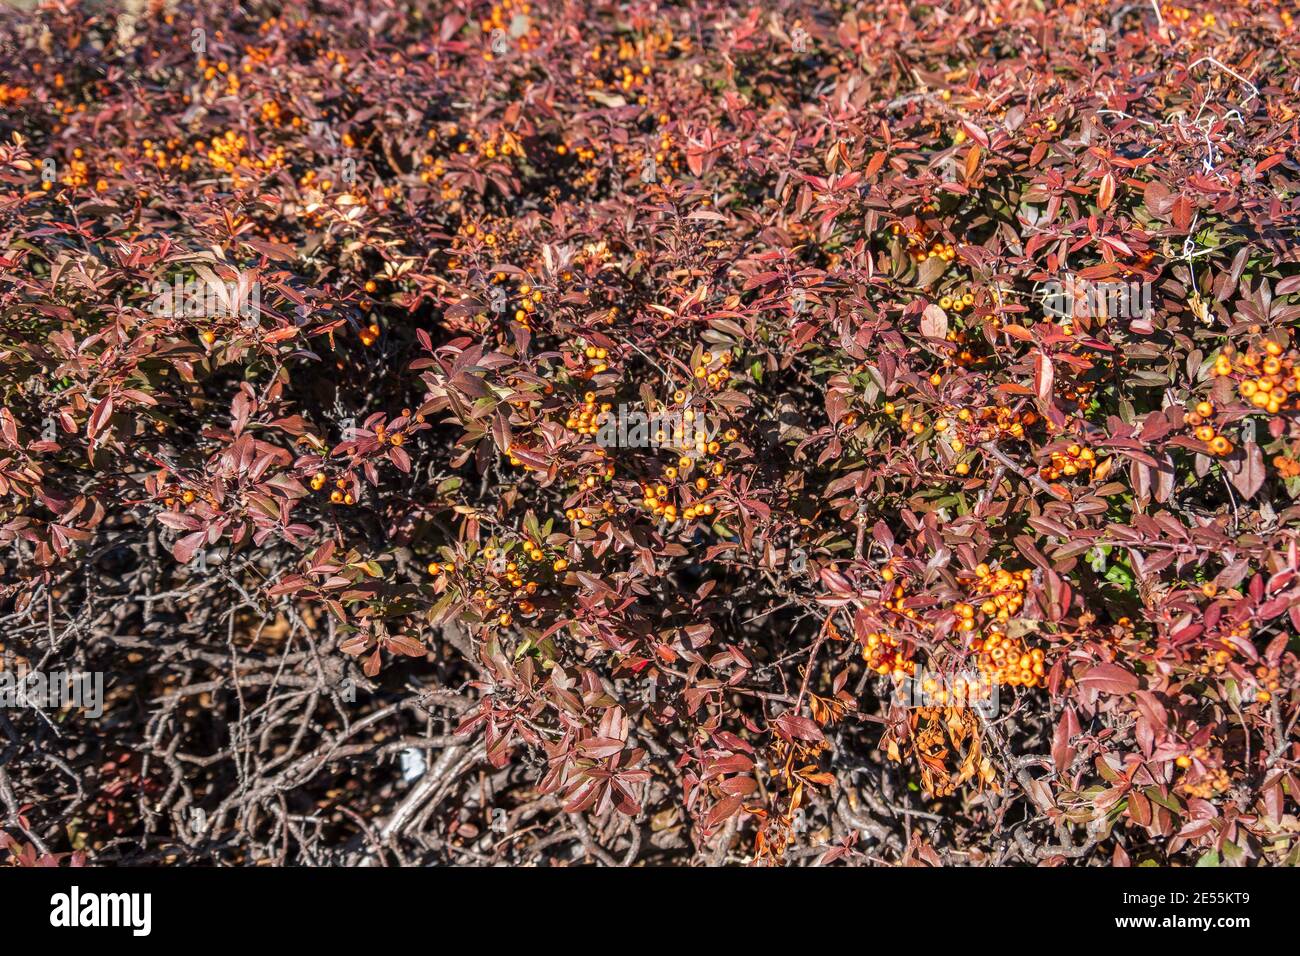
pixel 67 109
pixel 512 574
pixel 941 426
pixel 177 497
pixel 961 691
pixel 1000 593
pixel 1214 782
pixel 884 654
pixel 963 357
pixel 226 153
pixel 586 518
pixel 1078 391
pixel 1183 15
pixel 529 299
pixel 437 167
pixel 586 419
pixel 78 174
pixel 339 495
pixel 255 56
pixel 1071 462
pixel 654 498
pixel 508 145
pixel 896 599
pixel 1216 662
pixel 603 472
pixel 583 153
pixel 13 95
pixel 271 113
pixel 1286 467
pixel 1000 421
pixel 212 71
pixel 489 238
pixel 1005 660
pixel 370 334
pixel 1269 680
pixel 914 425
pixel 1198 418
pixel 657 164
pixel 597 358
pixel 701 448
pixel 689 435
pixel 497 22
pixel 958 303
pixel 918 250
pixel 626 78
pixel 1270 378
pixel 1041 130
pixel 1000 657
pixel 61 106
pixel 168 154
pixel 396 439
pixel 309 179
pixel 713 369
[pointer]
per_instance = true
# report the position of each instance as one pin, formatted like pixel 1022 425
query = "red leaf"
pixel 600 747
pixel 1106 192
pixel 975 133
pixel 404 644
pixel 1066 728
pixel 934 322
pixel 185 548
pixel 1110 679
pixel 1044 376
pixel 722 810
pixel 792 726
pixel 1250 477
pixel 99 418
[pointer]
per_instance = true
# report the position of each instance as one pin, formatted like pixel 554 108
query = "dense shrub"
pixel 372 571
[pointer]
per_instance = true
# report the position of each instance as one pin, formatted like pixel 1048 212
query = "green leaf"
pixel 1170 803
